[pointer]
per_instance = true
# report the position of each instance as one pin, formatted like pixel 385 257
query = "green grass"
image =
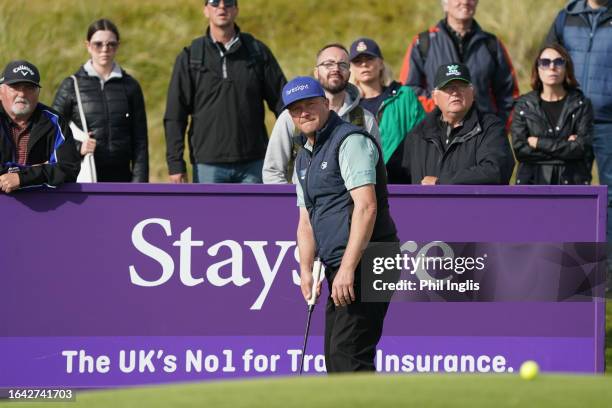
pixel 366 391
pixel 52 34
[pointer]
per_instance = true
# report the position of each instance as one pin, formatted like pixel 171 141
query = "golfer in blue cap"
pixel 342 199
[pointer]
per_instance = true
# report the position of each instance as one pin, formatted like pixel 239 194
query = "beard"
pixel 18 110
pixel 334 88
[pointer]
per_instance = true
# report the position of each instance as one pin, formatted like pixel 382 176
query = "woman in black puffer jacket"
pixel 552 125
pixel 114 110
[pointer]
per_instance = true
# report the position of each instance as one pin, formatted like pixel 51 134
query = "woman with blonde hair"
pixel 395 106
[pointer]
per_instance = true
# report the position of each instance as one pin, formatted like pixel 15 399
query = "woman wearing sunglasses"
pixel 552 125
pixel 114 109
pixel 395 107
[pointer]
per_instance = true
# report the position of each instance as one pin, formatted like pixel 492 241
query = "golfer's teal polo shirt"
pixel 358 157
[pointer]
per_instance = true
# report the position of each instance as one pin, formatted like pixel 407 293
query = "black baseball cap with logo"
pixel 20 71
pixel 451 72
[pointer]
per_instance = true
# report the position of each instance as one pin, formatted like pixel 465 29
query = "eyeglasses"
pixel 111 45
pixel 227 3
pixel 549 63
pixel 329 65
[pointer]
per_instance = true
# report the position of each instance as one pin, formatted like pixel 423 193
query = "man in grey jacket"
pixel 332 71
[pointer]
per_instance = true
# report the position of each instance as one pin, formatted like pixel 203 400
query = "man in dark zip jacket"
pixel 458 37
pixel 456 143
pixel 221 81
pixel 36 145
pixel 342 196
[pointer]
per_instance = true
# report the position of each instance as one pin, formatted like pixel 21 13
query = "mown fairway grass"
pixel 355 391
pixel 51 34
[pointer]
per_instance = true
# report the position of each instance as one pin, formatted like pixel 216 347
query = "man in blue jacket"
pixel 36 144
pixel 584 28
pixel 458 37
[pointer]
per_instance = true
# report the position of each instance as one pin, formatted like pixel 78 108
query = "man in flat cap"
pixel 36 144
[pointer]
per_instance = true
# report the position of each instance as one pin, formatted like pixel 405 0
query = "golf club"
pixel 317 269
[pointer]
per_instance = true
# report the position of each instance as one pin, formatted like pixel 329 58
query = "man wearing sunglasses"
pixel 221 82
pixel 332 71
pixel 584 28
pixel 36 144
pixel 456 143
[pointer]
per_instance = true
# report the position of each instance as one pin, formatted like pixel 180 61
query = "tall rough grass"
pixel 52 35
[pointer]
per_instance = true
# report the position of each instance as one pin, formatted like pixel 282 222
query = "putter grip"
pixel 316 276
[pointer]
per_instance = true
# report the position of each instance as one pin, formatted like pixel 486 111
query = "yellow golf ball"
pixel 529 370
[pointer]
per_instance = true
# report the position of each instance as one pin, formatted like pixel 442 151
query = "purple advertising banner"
pixel 110 285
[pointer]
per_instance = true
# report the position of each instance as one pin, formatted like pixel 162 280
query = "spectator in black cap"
pixel 456 143
pixel 395 107
pixel 36 145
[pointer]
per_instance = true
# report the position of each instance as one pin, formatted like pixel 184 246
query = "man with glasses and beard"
pixel 456 143
pixel 221 81
pixel 36 144
pixel 332 71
